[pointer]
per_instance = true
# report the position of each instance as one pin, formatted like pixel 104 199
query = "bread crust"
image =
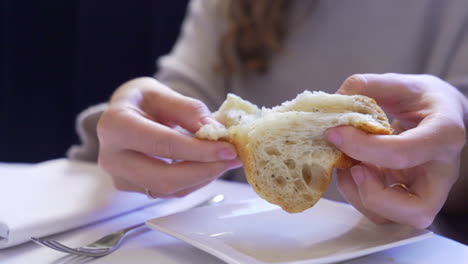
pixel 239 137
pixel 343 161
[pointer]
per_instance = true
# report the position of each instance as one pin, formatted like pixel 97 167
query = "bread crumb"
pixel 212 131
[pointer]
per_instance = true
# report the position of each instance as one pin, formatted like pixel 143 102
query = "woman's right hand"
pixel 138 143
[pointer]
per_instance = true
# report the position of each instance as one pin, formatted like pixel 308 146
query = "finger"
pixel 429 141
pixel 125 185
pixel 159 176
pixel 436 181
pixel 187 112
pixel 390 203
pixel 349 191
pixel 395 93
pixel 129 130
pixel 163 104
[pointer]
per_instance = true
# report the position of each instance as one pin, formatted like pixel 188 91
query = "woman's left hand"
pixel 405 177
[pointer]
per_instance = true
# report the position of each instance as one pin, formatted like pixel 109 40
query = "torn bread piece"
pixel 286 158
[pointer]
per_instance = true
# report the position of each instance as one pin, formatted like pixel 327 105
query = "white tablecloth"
pixel 55 196
pixel 151 246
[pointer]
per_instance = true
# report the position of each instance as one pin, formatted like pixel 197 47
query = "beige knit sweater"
pixel 339 38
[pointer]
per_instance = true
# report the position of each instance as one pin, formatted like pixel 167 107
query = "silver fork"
pixel 110 242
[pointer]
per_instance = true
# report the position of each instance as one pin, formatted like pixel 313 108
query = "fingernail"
pixel 235 163
pixel 208 120
pixel 334 137
pixel 227 154
pixel 358 174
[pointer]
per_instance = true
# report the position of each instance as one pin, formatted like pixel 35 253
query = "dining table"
pixel 152 246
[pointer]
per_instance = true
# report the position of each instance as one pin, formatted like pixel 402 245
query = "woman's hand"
pixel 141 151
pixel 423 153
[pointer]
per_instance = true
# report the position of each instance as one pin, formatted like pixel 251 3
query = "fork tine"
pixel 37 241
pixel 62 247
pixel 95 250
pixel 45 243
pixel 81 251
pixel 57 246
pixel 54 246
pixel 77 250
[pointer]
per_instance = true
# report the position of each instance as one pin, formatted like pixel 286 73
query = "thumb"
pixel 185 111
pixel 405 150
pixel 160 103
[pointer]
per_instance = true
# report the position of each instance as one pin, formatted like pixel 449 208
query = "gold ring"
pixel 399 184
pixel 149 194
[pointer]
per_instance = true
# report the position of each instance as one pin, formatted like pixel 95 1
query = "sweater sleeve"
pixel 86 128
pixel 190 67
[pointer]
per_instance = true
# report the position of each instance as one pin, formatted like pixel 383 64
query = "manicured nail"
pixel 227 154
pixel 235 163
pixel 333 137
pixel 357 173
pixel 208 120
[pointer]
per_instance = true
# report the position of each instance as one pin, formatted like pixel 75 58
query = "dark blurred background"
pixel 59 57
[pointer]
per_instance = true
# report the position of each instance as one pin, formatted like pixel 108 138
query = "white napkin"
pixel 57 195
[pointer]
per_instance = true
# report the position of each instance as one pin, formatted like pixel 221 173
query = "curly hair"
pixel 256 31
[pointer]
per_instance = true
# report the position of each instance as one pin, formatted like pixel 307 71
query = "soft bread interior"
pixel 286 158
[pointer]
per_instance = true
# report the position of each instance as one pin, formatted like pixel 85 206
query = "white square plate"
pixel 254 231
